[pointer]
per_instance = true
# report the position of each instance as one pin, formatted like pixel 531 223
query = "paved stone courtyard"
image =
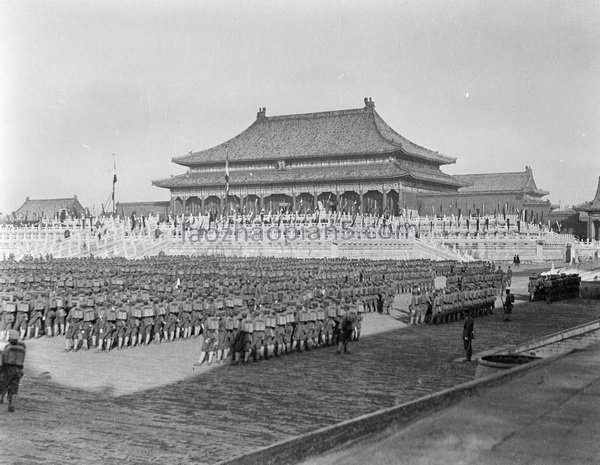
pixel 145 405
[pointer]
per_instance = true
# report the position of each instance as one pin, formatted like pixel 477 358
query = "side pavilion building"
pixel 349 160
pixel 492 193
pixel 590 213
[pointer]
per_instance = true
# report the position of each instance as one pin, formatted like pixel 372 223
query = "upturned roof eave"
pixel 430 154
pixel 587 207
pixel 169 184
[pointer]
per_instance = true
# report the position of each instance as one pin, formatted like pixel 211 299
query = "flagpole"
pixel 226 178
pixel 114 207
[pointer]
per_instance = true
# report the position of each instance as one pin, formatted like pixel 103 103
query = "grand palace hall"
pixel 343 160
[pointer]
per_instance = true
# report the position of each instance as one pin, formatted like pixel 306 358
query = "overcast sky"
pixel 497 84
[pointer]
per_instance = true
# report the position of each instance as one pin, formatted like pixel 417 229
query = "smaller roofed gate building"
pixel 492 194
pixel 345 160
pixel 34 210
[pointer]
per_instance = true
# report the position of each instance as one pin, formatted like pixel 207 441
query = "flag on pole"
pixel 113 185
pixel 226 172
pixel 114 170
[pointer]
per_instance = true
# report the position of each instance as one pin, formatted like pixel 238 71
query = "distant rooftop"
pixel 501 182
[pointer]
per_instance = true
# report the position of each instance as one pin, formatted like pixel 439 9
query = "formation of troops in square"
pixel 553 287
pixel 242 309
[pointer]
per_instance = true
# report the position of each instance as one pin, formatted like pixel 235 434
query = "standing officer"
pixel 508 304
pixel 468 336
pixel 346 330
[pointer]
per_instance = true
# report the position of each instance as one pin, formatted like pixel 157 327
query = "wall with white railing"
pixel 488 238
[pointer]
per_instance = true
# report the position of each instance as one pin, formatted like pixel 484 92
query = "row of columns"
pixel 260 202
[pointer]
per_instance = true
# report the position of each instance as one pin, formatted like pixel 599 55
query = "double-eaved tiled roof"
pixel 314 135
pixel 384 171
pixel 521 182
pixel 592 205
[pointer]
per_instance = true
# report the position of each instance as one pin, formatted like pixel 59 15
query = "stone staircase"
pixel 436 251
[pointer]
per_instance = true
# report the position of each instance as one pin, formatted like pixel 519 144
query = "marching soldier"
pixel 35 321
pixel 247 341
pixel 171 321
pixel 146 326
pixel 159 322
pixel 298 334
pixel 106 337
pixel 74 321
pixel 196 317
pixel 258 337
pixel 133 326
pixel 211 340
pixel 413 307
pixel 184 327
pixel 230 323
pixel 87 326
pixel 121 327
pixel 49 318
pixel 269 340
pixel 11 370
pixel 22 318
pixel 329 325
pixel 309 328
pixel 358 323
pixel 319 327
pixel 61 315
pixel 281 321
pixel 7 318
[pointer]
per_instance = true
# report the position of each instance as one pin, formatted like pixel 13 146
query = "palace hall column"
pixel 293 201
pixel 360 194
pixel 384 191
pixel 172 206
pixel 202 204
pixel 183 202
pixel 222 202
pixel 262 202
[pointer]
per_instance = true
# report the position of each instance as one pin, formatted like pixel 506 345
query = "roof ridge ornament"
pixel 369 104
pixel 262 113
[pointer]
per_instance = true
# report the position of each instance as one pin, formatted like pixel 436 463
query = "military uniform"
pixel 509 300
pixel 74 321
pixel 11 370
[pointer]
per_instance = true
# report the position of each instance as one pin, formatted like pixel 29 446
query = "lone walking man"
pixel 508 304
pixel 11 370
pixel 468 336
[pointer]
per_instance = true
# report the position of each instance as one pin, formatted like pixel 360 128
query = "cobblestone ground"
pixel 224 411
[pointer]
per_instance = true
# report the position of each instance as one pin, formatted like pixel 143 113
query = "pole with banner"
pixel 114 207
pixel 226 178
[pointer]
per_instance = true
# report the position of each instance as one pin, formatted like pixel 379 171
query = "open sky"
pixel 497 84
